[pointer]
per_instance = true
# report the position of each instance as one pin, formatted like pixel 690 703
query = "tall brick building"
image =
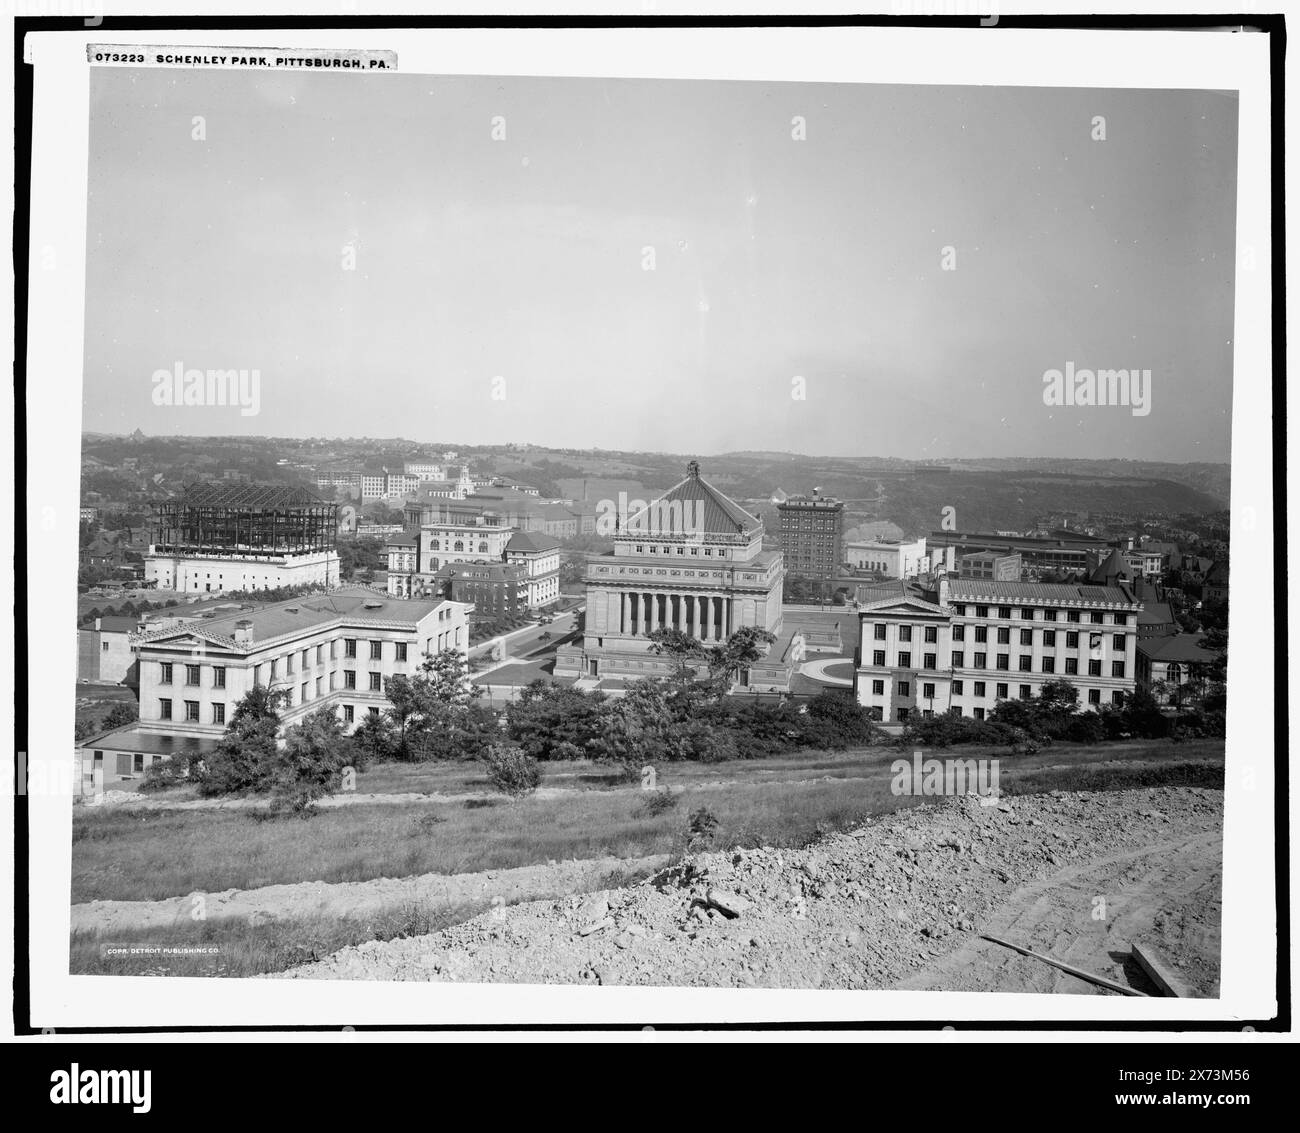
pixel 811 531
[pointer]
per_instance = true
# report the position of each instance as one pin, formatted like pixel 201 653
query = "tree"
pixel 435 713
pixel 551 721
pixel 747 645
pixel 312 761
pixel 245 757
pixel 120 715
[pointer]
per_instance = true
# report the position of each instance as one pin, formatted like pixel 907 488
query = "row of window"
pixel 1002 661
pixel 193 675
pixel 653 549
pixel 1027 613
pixel 931 635
pixel 980 689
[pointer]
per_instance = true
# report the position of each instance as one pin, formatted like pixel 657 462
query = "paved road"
pixel 523 641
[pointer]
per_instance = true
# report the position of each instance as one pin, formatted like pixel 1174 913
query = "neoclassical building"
pixel 691 560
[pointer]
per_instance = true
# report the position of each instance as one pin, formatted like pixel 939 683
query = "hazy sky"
pixel 774 258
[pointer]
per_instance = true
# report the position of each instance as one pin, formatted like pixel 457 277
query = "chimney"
pixel 99 623
pixel 243 631
pixel 943 590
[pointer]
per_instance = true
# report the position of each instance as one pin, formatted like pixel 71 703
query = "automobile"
pixel 545 620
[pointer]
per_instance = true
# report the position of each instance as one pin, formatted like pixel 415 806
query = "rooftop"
pixel 525 541
pixel 131 738
pixel 702 511
pixel 350 605
pixel 1182 647
pixel 1019 593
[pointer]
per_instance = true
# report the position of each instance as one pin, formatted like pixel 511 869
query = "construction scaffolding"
pixel 248 519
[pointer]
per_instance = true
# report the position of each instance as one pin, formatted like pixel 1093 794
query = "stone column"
pixel 624 623
pixel 653 621
pixel 701 628
pixel 681 612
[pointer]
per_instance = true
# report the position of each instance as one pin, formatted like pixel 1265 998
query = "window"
pixel 1117 642
pixel 1117 698
pixel 931 634
pixel 878 657
pixel 219 676
pixel 373 711
pixel 191 674
pixel 1049 637
pixel 349 678
pixel 1049 664
pixel 979 713
pixel 303 693
pixel 401 651
pixel 959 659
pixel 218 713
pixel 905 660
pixel 1049 615
pixel 1025 692
pixel 960 611
pixel 164 709
pixel 1004 660
pixel 1026 637
pixel 1026 663
pixel 980 688
pixel 877 688
pixel 376 682
pixel 927 691
pixel 1027 613
pixel 904 633
pixel 1121 619
pixel 105 647
pixel 959 633
pixel 880 631
pixel 1004 611
pixel 349 647
pixel 1071 666
pixel 123 764
pixel 192 710
pixel 1096 617
pixel 1094 668
pixel 1001 692
pixel 288 664
pixel 376 650
pixel 930 661
pixel 1004 636
pixel 306 658
pixel 320 654
pixel 275 667
pixel 1094 696
pixel 1117 668
pixel 981 661
pixel 981 611
pixel 1072 640
pixel 1071 615
pixel 349 714
pixel 904 688
pixel 957 688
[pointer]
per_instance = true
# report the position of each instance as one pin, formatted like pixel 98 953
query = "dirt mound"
pixel 873 908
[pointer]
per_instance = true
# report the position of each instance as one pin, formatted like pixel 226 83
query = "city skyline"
pixel 517 265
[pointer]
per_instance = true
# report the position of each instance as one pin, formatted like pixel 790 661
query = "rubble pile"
pixel 860 909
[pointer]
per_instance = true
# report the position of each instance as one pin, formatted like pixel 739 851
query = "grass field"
pixel 123 854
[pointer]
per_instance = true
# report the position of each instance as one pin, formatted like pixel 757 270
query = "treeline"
pixel 1054 715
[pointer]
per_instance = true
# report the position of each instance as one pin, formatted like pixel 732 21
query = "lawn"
pixel 787 801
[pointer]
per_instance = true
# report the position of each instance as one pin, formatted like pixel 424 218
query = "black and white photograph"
pixel 541 529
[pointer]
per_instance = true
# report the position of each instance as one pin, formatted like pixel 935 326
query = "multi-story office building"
pixel 1063 551
pixel 811 531
pixel 967 644
pixel 425 470
pixel 538 557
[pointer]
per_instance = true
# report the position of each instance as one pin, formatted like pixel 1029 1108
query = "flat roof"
pixel 131 738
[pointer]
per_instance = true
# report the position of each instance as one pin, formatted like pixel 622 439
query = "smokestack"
pixel 243 631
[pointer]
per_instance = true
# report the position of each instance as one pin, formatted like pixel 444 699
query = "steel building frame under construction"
pixel 250 520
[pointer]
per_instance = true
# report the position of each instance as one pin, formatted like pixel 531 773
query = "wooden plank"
pixel 1158 969
pixel 1100 981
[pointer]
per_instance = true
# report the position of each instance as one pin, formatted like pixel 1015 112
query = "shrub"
pixel 657 803
pixel 511 769
pixel 167 773
pixel 700 829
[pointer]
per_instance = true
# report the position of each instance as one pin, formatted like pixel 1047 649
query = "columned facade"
pixel 691 561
